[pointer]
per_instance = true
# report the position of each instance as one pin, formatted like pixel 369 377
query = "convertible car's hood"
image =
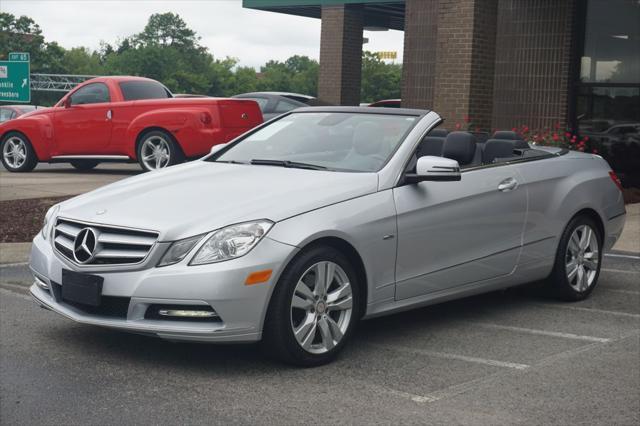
pixel 202 196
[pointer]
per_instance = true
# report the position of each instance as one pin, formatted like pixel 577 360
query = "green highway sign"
pixel 15 80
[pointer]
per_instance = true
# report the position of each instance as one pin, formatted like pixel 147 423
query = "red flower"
pixel 555 137
pixel 513 129
pixel 567 134
pixel 595 151
pixel 458 126
pixel 586 138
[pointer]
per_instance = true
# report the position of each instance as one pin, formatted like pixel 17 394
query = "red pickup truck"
pixel 123 119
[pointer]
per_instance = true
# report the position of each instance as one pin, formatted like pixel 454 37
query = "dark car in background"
pixel 387 103
pixel 273 104
pixel 9 112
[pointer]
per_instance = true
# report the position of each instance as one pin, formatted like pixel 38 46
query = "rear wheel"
pixel 313 310
pixel 17 153
pixel 157 150
pixel 577 266
pixel 84 165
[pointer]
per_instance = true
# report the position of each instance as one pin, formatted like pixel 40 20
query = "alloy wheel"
pixel 582 258
pixel 14 152
pixel 321 307
pixel 155 153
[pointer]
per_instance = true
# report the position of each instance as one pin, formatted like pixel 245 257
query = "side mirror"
pixel 217 148
pixel 67 102
pixel 438 169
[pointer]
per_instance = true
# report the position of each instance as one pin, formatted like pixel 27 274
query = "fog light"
pixel 41 283
pixel 184 313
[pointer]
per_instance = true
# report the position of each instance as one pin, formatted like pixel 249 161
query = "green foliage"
pixel 169 51
pixel 380 80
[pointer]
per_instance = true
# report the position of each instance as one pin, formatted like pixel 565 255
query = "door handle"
pixel 507 185
pixel 109 115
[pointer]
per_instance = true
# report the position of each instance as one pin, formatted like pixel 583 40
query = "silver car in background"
pixel 296 230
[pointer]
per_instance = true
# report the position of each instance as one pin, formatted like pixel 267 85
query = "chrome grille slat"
pixel 68 230
pixel 114 245
pixel 126 239
pixel 64 242
pixel 129 254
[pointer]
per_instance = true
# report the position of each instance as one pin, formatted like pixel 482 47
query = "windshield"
pixel 332 140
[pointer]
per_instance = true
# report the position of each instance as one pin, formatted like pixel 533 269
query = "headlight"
pixel 178 250
pixel 231 242
pixel 48 222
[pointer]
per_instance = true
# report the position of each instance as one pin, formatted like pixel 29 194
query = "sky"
pixel 225 27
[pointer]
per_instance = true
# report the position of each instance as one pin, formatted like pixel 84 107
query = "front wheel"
pixel 17 153
pixel 157 150
pixel 314 308
pixel 577 266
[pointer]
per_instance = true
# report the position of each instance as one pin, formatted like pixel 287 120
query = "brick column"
pixel 419 67
pixel 533 64
pixel 465 59
pixel 341 54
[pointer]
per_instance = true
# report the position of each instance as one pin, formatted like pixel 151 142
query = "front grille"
pixel 112 245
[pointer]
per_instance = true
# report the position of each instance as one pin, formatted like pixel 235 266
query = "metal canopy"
pixel 377 13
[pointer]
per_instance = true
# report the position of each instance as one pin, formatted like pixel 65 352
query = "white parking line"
pixel 599 311
pixel 623 291
pixel 9 265
pixel 620 271
pixel 543 332
pixel 445 355
pixel 623 256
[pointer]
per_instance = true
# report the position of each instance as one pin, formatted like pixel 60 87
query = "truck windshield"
pixel 138 90
pixel 360 142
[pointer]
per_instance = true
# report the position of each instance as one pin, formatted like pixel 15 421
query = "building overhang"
pixel 377 13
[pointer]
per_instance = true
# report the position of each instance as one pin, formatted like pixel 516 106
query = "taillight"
pixel 205 117
pixel 614 177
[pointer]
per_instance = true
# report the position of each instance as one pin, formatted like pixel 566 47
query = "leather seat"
pixel 368 143
pixel 519 142
pixel 430 145
pixel 462 147
pixel 497 148
pixel 440 133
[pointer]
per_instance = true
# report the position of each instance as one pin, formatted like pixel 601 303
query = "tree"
pixel 380 80
pixel 167 30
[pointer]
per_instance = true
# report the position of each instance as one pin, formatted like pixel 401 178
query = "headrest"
pixel 497 148
pixel 430 145
pixel 460 146
pixel 442 133
pixel 368 138
pixel 506 134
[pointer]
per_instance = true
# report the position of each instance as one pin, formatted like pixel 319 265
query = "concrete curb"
pixel 14 253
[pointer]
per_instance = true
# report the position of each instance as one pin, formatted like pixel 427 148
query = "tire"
pixel 84 165
pixel 166 147
pixel 320 323
pixel 17 154
pixel 577 268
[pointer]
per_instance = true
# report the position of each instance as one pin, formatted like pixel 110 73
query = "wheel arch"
pixel 591 213
pixel 348 250
pixel 148 129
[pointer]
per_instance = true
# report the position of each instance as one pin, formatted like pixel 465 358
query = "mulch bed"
pixel 20 220
pixel 631 195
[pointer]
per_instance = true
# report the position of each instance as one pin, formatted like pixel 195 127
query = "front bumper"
pixel 241 308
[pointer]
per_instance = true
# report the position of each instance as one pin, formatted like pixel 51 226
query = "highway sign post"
pixel 15 82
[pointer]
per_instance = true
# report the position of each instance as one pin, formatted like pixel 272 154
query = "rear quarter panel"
pixel 558 188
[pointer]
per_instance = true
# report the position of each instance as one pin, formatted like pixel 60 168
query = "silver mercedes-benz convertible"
pixel 298 229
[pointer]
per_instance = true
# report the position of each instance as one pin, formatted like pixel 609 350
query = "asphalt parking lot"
pixel 509 357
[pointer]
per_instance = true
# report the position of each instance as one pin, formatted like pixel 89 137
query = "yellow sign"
pixel 390 54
